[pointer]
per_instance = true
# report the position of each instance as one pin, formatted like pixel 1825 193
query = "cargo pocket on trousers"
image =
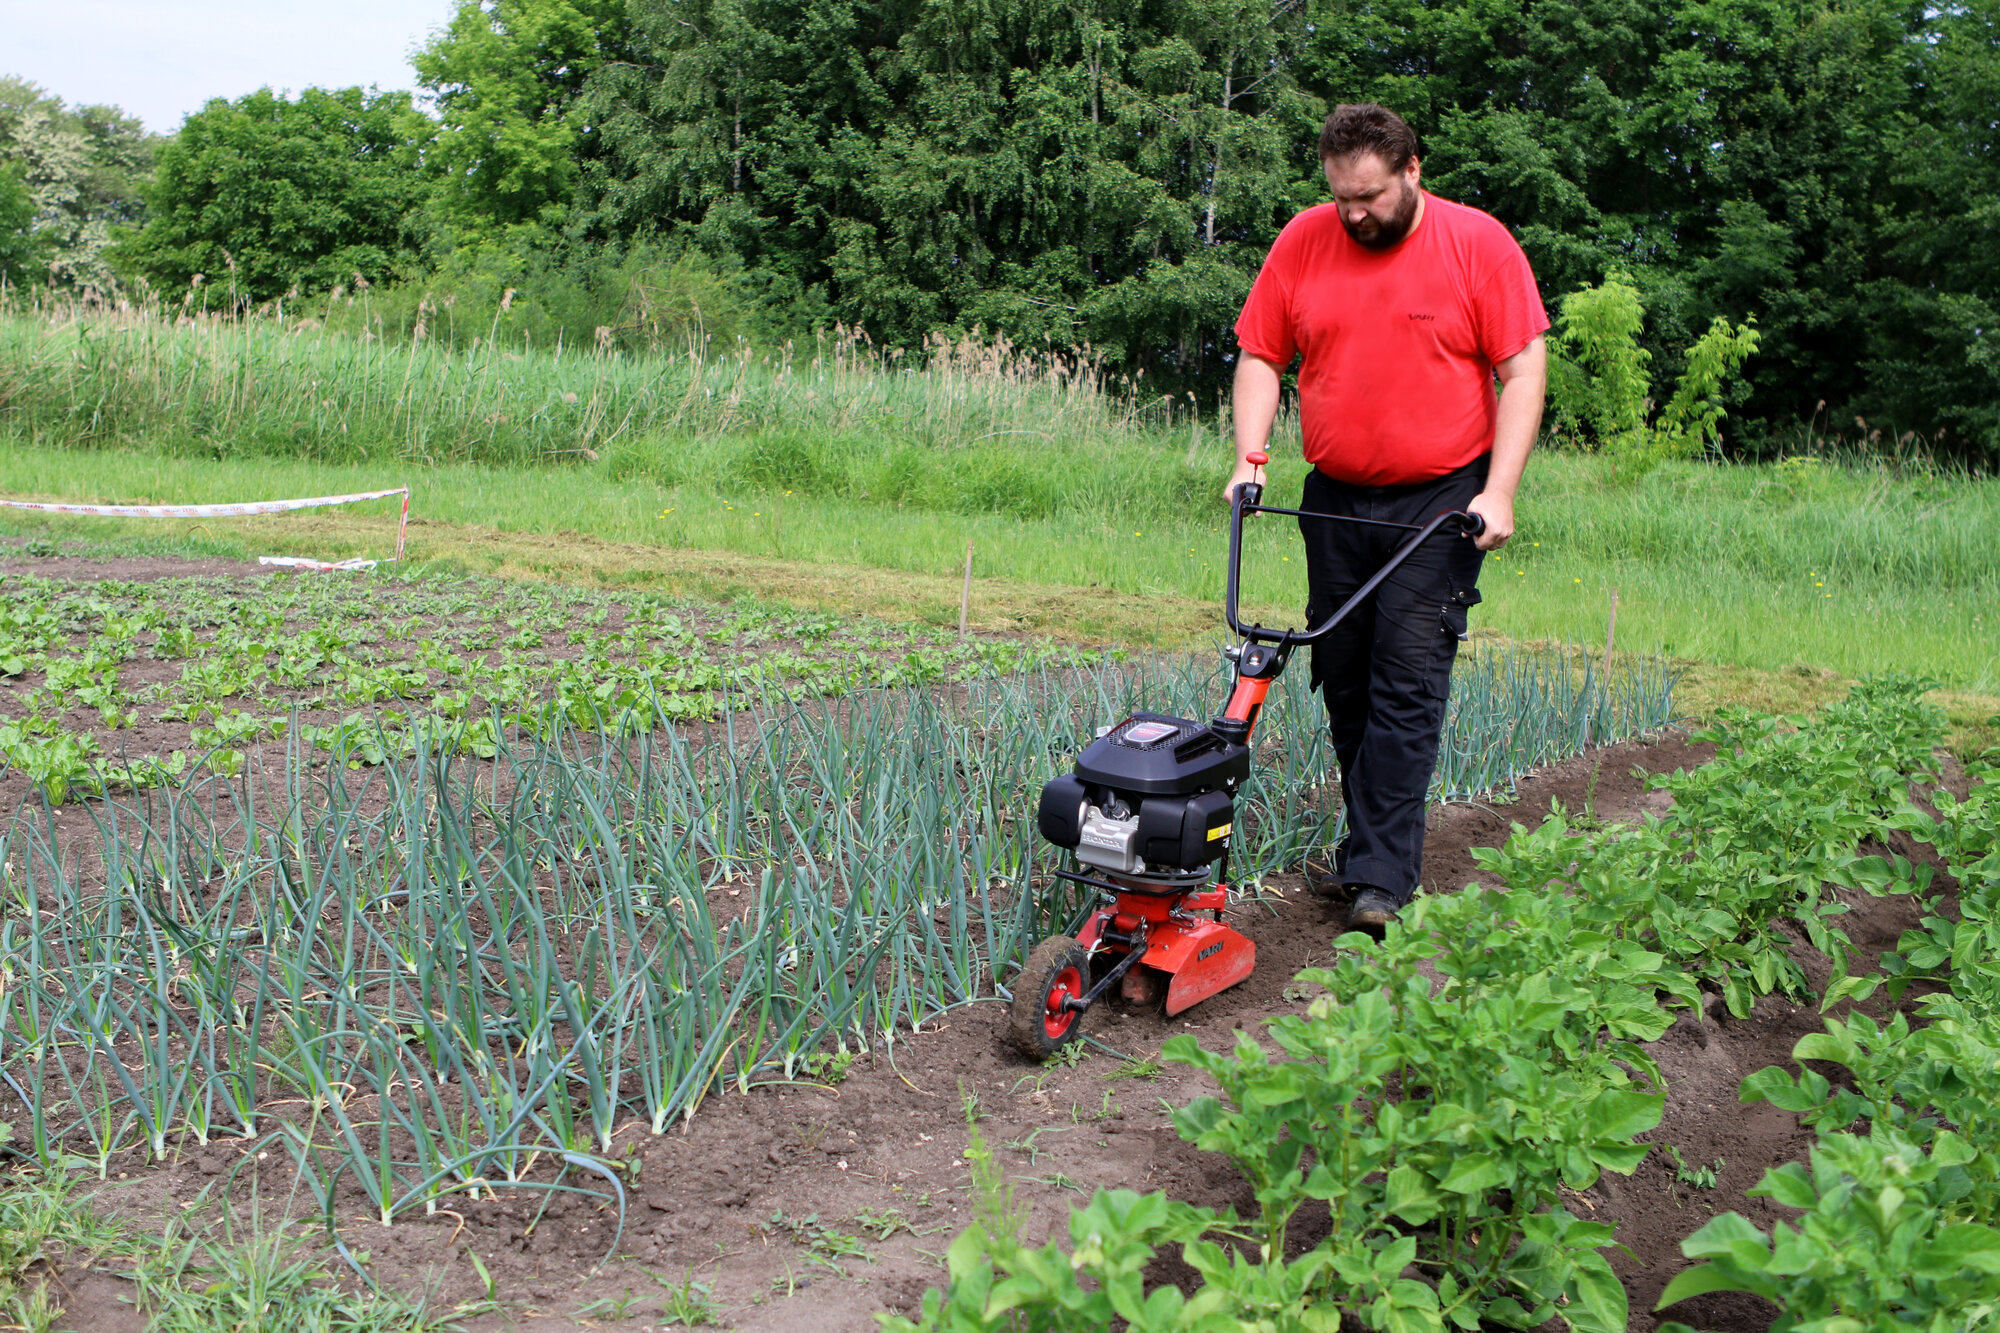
pixel 1452 630
pixel 1452 615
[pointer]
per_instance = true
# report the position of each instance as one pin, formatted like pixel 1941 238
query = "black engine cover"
pixel 1177 776
pixel 1061 815
pixel 1185 832
pixel 1151 754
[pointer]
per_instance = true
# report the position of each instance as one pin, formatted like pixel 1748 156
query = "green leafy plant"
pixel 689 1302
pixel 1463 1112
pixel 1876 1247
pixel 1702 1177
pixel 824 1244
pixel 1601 379
pixel 996 1282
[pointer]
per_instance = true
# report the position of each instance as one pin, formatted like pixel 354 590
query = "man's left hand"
pixel 1498 511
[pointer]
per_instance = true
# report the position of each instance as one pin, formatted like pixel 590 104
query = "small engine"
pixel 1152 801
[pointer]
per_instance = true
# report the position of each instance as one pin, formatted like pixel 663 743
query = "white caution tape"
pixel 222 511
pixel 305 562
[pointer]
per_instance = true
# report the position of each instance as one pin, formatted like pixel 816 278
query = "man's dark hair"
pixel 1366 127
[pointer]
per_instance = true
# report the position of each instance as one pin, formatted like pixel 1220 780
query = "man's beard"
pixel 1383 235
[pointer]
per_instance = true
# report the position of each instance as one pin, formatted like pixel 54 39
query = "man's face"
pixel 1377 205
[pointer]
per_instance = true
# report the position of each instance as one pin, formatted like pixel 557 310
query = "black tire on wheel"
pixel 1036 1021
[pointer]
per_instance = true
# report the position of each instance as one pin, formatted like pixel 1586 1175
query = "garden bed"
pixel 883 1149
pixel 664 1018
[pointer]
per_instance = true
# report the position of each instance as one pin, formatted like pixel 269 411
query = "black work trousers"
pixel 1386 671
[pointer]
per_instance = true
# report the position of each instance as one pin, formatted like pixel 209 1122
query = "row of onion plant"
pixel 450 974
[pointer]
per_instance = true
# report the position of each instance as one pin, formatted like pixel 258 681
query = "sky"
pixel 160 59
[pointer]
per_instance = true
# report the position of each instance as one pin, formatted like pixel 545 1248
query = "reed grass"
pixel 966 426
pixel 841 455
pixel 442 976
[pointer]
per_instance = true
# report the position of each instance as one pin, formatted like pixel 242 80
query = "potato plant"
pixel 1875 1250
pixel 392 657
pixel 1439 1120
pixel 1896 1228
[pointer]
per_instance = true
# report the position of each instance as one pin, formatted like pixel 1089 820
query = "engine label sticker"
pixel 1221 832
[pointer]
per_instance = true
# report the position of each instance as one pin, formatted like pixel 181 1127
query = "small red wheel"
pixel 1039 1020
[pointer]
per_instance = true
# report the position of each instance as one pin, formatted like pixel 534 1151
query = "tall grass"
pixel 447 975
pixel 967 427
pixel 837 454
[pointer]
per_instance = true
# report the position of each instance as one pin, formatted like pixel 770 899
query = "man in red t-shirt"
pixel 1402 309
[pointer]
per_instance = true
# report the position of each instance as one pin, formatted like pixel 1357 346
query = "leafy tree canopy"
pixel 504 78
pixel 265 194
pixel 1111 171
pixel 19 257
pixel 82 170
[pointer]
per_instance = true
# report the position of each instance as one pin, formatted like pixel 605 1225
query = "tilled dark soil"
pixel 731 1199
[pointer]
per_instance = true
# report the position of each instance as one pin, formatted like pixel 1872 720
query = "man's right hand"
pixel 1245 472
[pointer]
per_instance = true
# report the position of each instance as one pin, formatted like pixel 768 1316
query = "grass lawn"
pixel 1771 574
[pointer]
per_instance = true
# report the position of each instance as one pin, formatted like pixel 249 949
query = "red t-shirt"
pixel 1397 346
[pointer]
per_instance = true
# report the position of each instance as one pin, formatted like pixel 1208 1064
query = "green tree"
pixel 1927 307
pixel 1601 384
pixel 83 169
pixel 1107 171
pixel 505 77
pixel 19 255
pixel 1827 166
pixel 263 195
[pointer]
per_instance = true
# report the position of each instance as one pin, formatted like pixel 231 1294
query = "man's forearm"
pixel 1513 440
pixel 1519 419
pixel 1524 379
pixel 1254 403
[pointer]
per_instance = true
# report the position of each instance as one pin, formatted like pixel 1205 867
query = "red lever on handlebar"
pixel 1257 459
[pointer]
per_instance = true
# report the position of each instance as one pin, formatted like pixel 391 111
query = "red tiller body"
pixel 1157 926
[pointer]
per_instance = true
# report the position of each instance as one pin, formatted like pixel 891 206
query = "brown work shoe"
pixel 1372 912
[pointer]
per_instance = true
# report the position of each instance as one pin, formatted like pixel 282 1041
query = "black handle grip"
pixel 1475 524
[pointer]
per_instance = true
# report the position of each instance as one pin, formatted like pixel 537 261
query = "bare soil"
pixel 746 1198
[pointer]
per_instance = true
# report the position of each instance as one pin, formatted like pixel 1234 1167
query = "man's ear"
pixel 1415 170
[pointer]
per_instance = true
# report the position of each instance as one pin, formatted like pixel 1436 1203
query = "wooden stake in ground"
pixel 965 597
pixel 1590 719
